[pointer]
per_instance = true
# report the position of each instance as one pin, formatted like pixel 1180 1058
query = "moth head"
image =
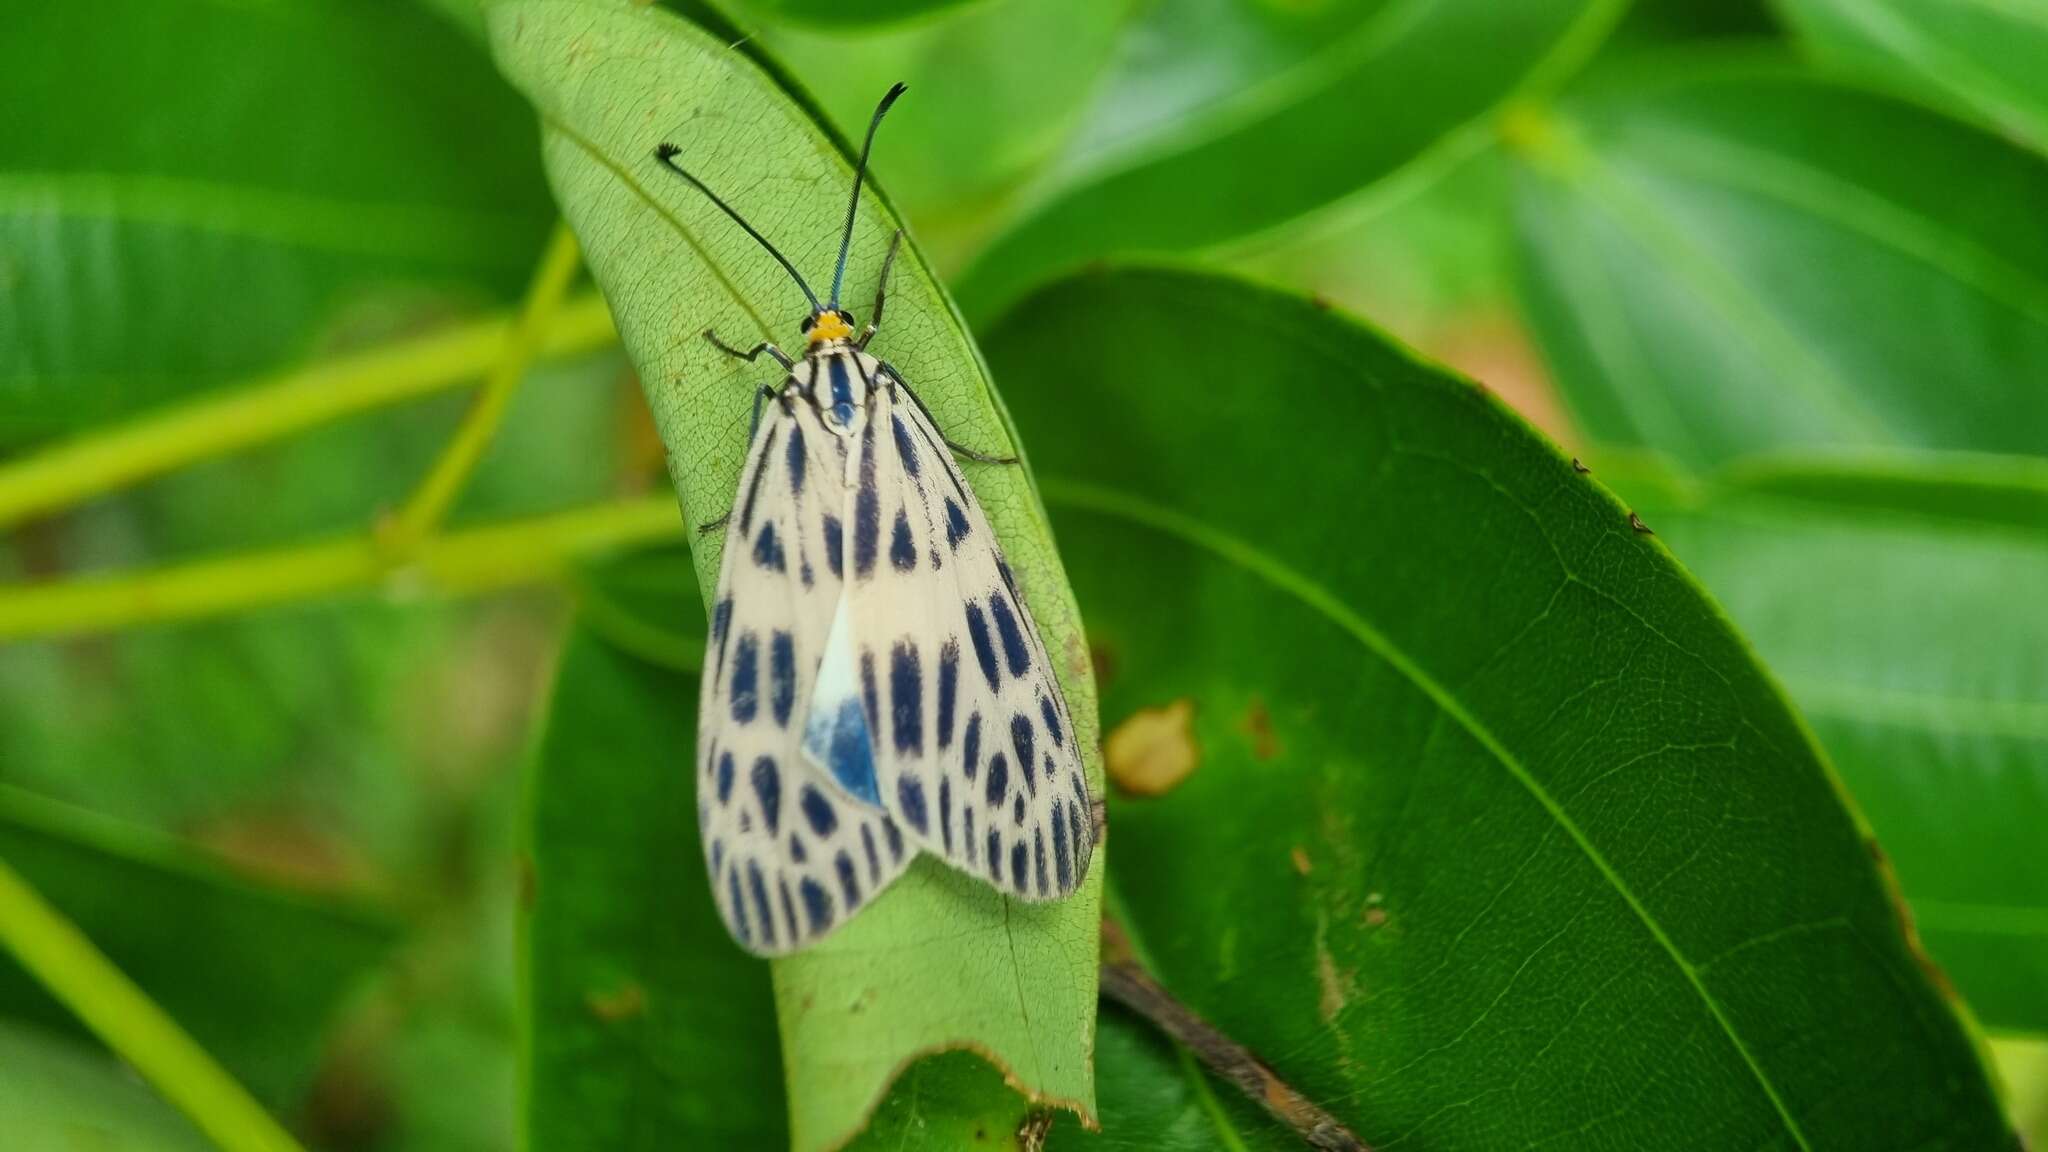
pixel 828 324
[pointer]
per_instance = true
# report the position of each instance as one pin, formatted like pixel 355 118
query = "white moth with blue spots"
pixel 873 684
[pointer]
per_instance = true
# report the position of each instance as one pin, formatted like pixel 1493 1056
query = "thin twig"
pixel 429 504
pixel 1125 983
pixel 79 975
pixel 505 554
pixel 272 408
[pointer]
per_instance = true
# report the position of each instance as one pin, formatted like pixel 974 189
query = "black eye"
pixel 806 325
pixel 846 316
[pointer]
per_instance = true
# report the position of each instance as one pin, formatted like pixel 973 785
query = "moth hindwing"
pixel 874 685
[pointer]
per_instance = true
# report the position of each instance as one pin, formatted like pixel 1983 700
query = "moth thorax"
pixel 838 387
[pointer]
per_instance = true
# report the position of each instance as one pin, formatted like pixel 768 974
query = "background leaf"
pixel 403 175
pixel 1224 120
pixel 1892 599
pixel 61 1096
pixel 1728 262
pixel 963 967
pixel 1980 55
pixel 835 14
pixel 253 973
pixel 647 1026
pixel 967 134
pixel 1511 813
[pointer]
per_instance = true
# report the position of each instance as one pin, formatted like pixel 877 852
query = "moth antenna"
pixel 666 154
pixel 860 172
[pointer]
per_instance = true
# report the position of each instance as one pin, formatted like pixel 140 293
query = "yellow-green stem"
pixel 475 560
pixel 269 409
pixel 437 493
pixel 78 974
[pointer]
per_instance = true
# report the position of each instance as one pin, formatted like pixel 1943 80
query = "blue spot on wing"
pixel 746 692
pixel 902 551
pixel 984 649
pixel 768 790
pixel 1013 636
pixel 949 675
pixel 817 905
pixel 906 698
pixel 956 524
pixel 797 460
pixel 910 800
pixel 782 675
pixel 834 547
pixel 818 811
pixel 1052 721
pixel 768 549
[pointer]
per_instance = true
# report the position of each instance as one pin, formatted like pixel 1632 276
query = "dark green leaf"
pixel 58 1095
pixel 1896 603
pixel 647 1028
pixel 254 973
pixel 1225 120
pixel 191 192
pixel 1985 58
pixel 1498 834
pixel 966 968
pixel 1728 261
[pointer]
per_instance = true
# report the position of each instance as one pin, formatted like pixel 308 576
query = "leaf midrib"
pixel 1243 554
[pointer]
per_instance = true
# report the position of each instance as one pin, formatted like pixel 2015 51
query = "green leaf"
pixel 965 968
pixel 1498 834
pixel 253 972
pixel 232 180
pixel 1731 258
pixel 995 88
pixel 1982 57
pixel 1225 120
pixel 839 13
pixel 1895 600
pixel 61 1096
pixel 633 993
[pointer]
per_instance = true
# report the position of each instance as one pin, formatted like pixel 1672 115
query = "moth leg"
pixel 710 526
pixel 961 449
pixel 751 354
pixel 881 293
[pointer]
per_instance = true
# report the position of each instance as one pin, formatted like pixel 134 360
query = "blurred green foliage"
pixel 1776 271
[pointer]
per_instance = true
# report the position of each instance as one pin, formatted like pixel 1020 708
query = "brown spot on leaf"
pixel 1331 985
pixel 1300 857
pixel 1258 724
pixel 1104 659
pixel 629 1001
pixel 1150 753
pixel 1374 917
pixel 1636 522
pixel 1581 469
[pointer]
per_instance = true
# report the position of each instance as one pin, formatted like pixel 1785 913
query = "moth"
pixel 873 686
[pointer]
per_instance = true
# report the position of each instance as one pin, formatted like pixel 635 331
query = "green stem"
pixel 437 493
pixel 482 559
pixel 97 463
pixel 78 974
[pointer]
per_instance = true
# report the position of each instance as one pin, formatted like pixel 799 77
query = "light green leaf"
pixel 995 88
pixel 185 929
pixel 193 192
pixel 1982 56
pixel 939 962
pixel 1497 835
pixel 1744 258
pixel 1224 120
pixel 59 1095
pixel 1896 600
